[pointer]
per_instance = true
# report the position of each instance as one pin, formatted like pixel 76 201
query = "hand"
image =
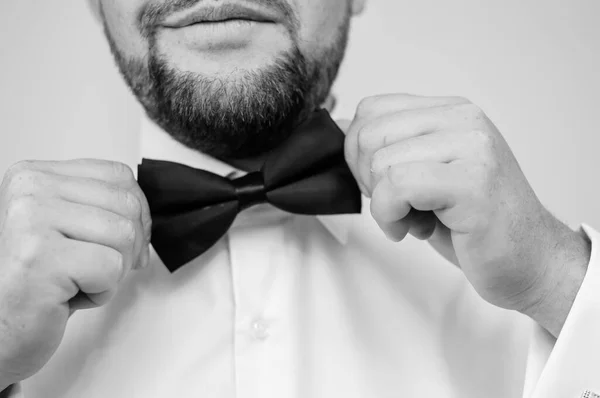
pixel 439 169
pixel 69 232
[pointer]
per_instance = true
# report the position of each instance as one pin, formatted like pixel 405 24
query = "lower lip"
pixel 216 36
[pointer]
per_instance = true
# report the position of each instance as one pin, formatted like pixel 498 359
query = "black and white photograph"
pixel 299 199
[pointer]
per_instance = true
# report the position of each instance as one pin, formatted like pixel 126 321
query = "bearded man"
pixel 237 262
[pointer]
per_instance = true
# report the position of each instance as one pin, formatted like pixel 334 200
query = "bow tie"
pixel 192 209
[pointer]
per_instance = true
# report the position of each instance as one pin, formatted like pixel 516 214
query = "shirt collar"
pixel 155 143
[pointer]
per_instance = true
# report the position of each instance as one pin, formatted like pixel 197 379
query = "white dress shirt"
pixel 297 306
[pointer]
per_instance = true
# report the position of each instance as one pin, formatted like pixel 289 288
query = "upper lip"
pixel 220 13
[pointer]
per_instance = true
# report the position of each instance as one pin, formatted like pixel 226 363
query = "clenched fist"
pixel 436 167
pixel 69 232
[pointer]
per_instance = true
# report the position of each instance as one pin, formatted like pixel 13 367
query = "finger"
pixel 90 272
pixel 93 268
pixel 393 128
pixel 95 225
pixel 375 106
pixel 420 224
pixel 439 147
pixel 97 193
pixel 112 198
pixel 372 108
pixel 420 186
pixel 113 173
pixel 395 231
pixel 104 170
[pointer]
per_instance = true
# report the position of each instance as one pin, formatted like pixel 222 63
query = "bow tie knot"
pixel 250 190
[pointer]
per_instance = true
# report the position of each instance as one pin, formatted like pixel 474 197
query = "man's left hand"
pixel 437 168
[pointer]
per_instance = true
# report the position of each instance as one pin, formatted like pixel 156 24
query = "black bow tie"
pixel 192 209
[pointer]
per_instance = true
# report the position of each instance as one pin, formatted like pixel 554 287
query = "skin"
pixel 69 232
pixel 436 168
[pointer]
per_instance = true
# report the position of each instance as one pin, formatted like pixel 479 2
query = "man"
pixel 286 305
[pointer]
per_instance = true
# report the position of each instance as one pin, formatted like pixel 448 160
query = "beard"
pixel 236 117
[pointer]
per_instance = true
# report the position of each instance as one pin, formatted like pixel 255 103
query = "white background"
pixel 532 65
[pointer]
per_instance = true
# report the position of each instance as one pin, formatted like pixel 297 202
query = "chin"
pixel 225 62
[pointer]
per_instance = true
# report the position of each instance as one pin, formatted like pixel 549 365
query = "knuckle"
pixel 22 208
pixel 366 138
pixel 398 173
pixel 485 141
pixel 379 161
pixel 461 100
pixel 22 180
pixel 366 105
pixel 471 110
pixel 397 177
pixel 19 166
pixel 132 203
pixel 28 251
pixel 405 177
pixel 127 231
pixel 121 171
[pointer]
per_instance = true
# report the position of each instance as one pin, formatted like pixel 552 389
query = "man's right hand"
pixel 69 232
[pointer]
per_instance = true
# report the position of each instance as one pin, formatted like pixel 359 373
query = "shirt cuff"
pixel 13 391
pixel 568 366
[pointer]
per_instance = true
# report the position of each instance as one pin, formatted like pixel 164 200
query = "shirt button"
pixel 260 329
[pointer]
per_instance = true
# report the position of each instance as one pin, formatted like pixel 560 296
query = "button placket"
pixel 254 251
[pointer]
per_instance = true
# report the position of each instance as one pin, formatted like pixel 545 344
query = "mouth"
pixel 223 13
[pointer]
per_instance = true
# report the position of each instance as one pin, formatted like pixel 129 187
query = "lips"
pixel 221 13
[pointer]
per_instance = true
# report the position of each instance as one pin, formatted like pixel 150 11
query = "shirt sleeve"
pixel 13 391
pixel 570 365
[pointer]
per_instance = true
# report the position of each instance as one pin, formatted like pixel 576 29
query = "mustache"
pixel 152 14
